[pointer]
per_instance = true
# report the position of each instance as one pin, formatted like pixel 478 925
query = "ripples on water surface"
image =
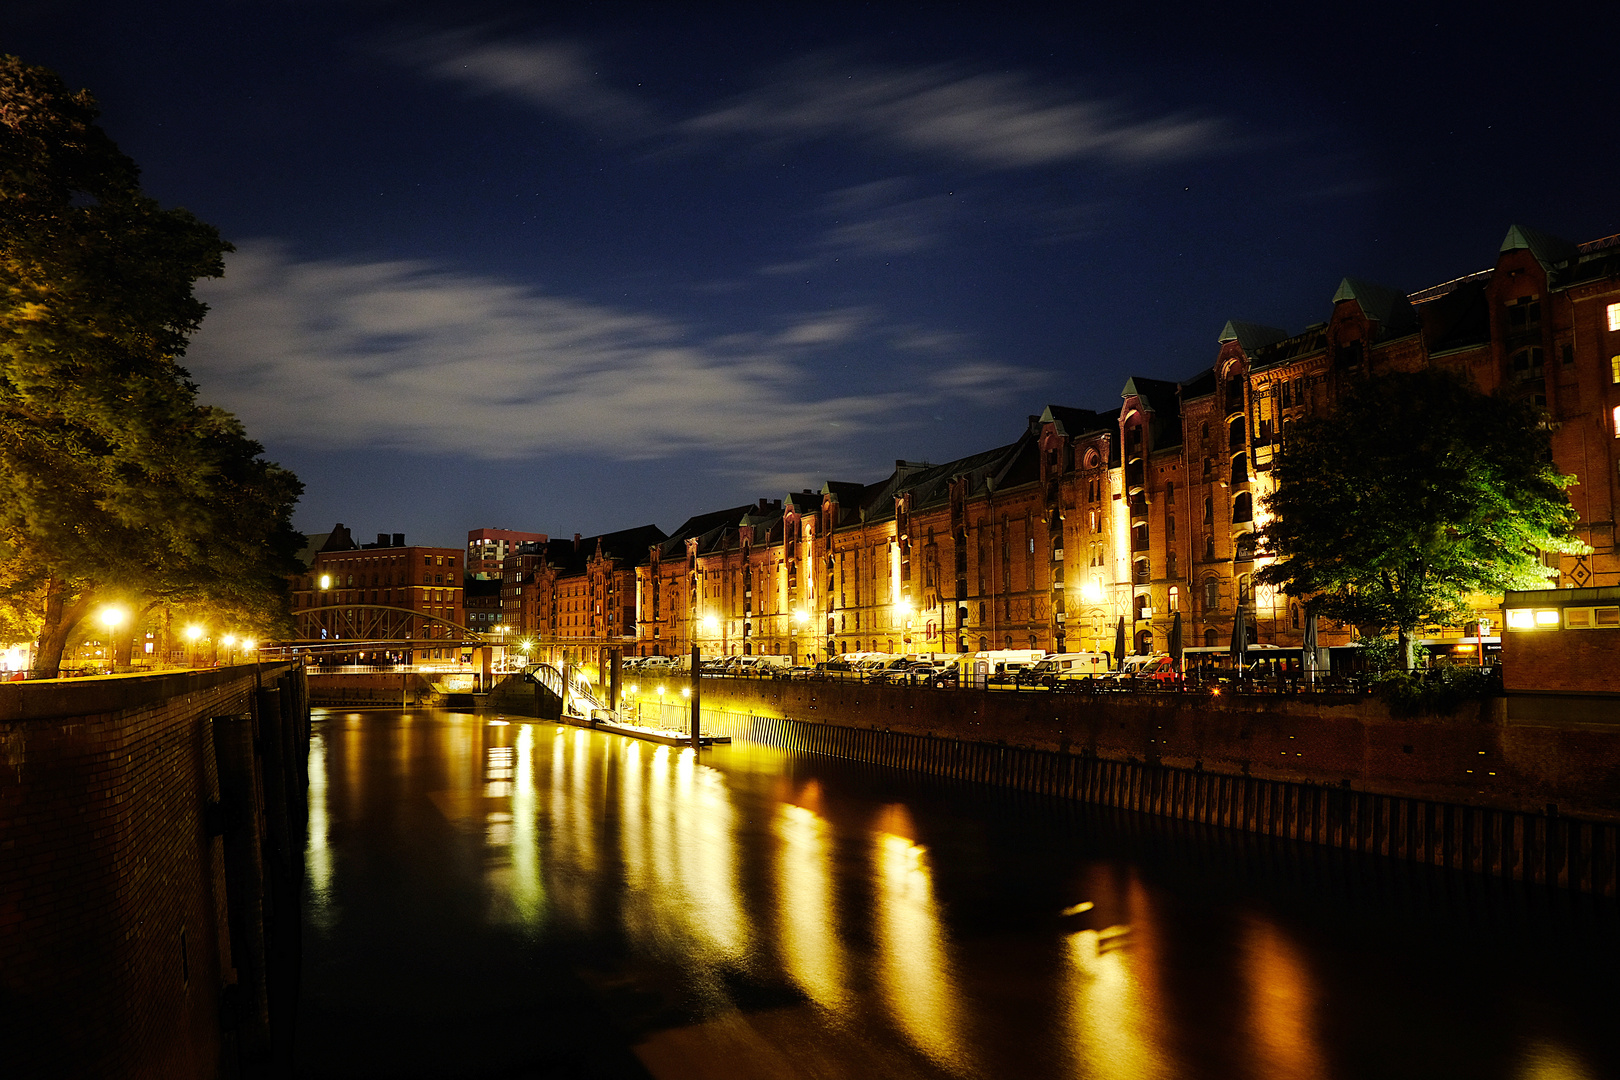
pixel 521 899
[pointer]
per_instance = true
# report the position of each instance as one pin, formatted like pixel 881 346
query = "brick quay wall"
pixel 150 851
pixel 1473 791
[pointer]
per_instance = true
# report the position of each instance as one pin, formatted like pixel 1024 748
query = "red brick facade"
pixel 1153 510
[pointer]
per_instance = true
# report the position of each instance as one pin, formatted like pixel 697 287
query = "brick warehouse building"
pixel 1090 517
pixel 398 603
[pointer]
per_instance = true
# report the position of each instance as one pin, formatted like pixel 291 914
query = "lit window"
pixel 1614 316
pixel 1548 617
pixel 1617 421
pixel 1614 369
pixel 1521 619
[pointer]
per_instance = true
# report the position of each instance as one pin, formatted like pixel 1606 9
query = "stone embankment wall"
pixel 150 858
pixel 1536 803
pixel 1474 791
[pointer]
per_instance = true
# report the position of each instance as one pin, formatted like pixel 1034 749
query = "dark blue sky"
pixel 572 268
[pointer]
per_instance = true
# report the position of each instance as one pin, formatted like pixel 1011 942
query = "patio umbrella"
pixel 1119 645
pixel 1310 647
pixel 1240 638
pixel 1175 640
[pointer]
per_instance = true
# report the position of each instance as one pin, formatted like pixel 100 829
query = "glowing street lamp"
pixel 112 617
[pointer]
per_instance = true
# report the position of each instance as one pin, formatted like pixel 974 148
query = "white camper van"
pixel 1067 667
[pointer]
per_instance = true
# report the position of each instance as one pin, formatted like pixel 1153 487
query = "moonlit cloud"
pixel 336 353
pixel 555 76
pixel 995 121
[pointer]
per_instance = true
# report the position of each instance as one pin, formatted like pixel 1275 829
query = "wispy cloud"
pixel 402 355
pixel 556 76
pixel 880 219
pixel 996 121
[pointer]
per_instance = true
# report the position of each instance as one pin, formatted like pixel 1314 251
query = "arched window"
pixel 1212 593
pixel 1175 598
pixel 1243 587
pixel 1209 510
pixel 1212 637
pixel 1236 434
pixel 1242 507
pixel 1169 528
pixel 981 613
pixel 1140 573
pixel 1240 468
pixel 1293 615
pixel 1209 549
pixel 1144 606
pixel 1170 569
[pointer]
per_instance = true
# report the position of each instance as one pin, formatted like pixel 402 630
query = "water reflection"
pixel 1111 985
pixel 804 905
pixel 914 971
pixel 318 857
pixel 1282 1004
pixel 860 923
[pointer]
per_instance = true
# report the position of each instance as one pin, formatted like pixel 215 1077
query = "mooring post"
pixel 697 694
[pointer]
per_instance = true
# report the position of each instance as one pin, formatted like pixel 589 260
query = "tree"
pixel 116 481
pixel 1415 491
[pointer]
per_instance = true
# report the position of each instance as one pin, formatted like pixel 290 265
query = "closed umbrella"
pixel 1310 647
pixel 1175 641
pixel 1119 645
pixel 1240 639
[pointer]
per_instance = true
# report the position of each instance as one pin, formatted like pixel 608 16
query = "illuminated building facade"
pixel 565 593
pixel 398 603
pixel 1139 514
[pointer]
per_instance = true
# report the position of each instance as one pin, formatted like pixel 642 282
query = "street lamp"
pixel 711 626
pixel 229 641
pixel 112 617
pixel 797 622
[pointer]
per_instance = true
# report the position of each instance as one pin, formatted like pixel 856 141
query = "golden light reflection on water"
pixel 1547 1060
pixel 318 854
pixel 914 972
pixel 1111 986
pixel 573 831
pixel 804 906
pixel 354 764
pixel 517 892
pixel 1282 1004
pixel 676 831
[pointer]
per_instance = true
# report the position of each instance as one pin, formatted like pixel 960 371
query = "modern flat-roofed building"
pixel 487 549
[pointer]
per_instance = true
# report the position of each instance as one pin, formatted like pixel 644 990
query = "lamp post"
pixel 112 618
pixel 799 619
pixel 194 633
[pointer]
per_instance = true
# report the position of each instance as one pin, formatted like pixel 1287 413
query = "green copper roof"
pixel 1251 336
pixel 1379 303
pixel 1548 249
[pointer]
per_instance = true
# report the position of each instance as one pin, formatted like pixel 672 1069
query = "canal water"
pixel 519 899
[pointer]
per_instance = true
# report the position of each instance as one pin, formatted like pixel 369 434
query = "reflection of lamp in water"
pixel 914 968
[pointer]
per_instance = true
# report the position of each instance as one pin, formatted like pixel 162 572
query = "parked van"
pixel 1066 667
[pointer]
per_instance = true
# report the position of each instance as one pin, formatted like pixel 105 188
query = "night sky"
pixel 580 267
